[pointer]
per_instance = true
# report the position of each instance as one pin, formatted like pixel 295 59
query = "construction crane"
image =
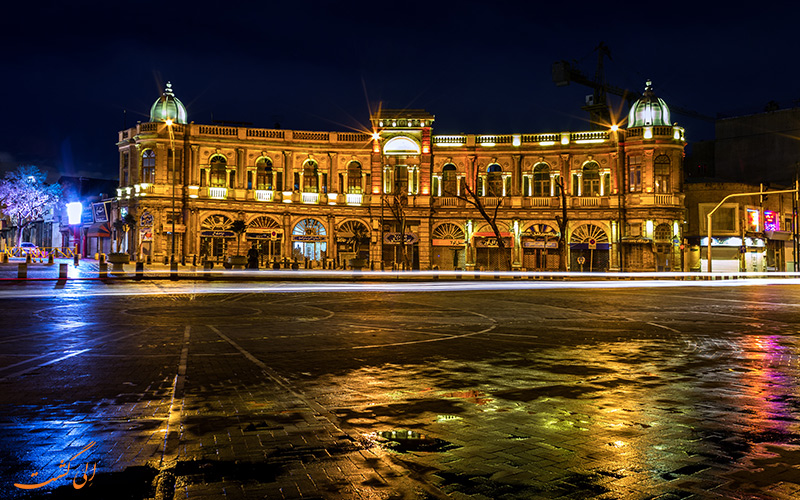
pixel 597 103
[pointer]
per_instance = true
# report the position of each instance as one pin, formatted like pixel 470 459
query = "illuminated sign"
pixel 771 221
pixel 74 211
pixel 218 234
pixel 752 219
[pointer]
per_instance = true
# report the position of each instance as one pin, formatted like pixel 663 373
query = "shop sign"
pixel 217 234
pixel 395 238
pixel 771 221
pixel 146 220
pixel 87 215
pixel 539 244
pixel 100 212
pixel 448 243
pixel 637 241
pixel 271 235
pixel 145 234
pixel 752 219
pixel 491 242
pixel 309 237
pixel 179 228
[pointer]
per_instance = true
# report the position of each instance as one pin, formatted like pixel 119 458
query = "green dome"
pixel 168 107
pixel 649 110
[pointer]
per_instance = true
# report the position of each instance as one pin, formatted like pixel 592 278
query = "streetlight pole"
pixel 709 214
pixel 172 149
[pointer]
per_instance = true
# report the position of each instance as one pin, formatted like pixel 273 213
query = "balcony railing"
pixel 663 199
pixel 218 193
pixel 310 198
pixel 538 201
pixel 447 201
pixel 587 201
pixel 492 201
pixel 264 195
pixel 354 198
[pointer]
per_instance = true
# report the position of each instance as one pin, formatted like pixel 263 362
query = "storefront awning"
pixel 99 230
pixel 779 235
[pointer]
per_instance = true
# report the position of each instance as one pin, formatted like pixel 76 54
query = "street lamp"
pixel 74 211
pixel 172 149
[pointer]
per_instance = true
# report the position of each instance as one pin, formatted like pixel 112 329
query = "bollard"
pixel 101 258
pixel 5 258
pixel 173 271
pixel 62 271
pixel 76 259
pixel 102 270
pixel 28 258
pixel 139 270
pixel 22 271
pixel 194 260
pixel 50 258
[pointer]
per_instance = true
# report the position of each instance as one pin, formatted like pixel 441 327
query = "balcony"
pixel 264 195
pixel 217 193
pixel 448 201
pixel 310 198
pixel 539 201
pixel 354 198
pixel 586 201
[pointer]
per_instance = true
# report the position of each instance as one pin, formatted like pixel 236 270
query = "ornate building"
pixel 401 196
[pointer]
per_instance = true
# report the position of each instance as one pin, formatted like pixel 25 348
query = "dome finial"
pixel 648 110
pixel 168 107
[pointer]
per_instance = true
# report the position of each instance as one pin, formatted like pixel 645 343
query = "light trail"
pixel 129 289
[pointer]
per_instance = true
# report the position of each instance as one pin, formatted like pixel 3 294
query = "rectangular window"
pixel 635 173
pixel 279 181
pixel 202 177
pixel 575 185
pixel 606 184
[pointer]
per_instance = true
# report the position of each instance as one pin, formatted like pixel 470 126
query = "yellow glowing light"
pixel 376 136
pixel 614 128
pixel 516 140
pixel 168 121
pixel 564 139
pixel 648 132
pixel 589 141
pixel 547 143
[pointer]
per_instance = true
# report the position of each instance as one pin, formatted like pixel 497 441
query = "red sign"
pixel 771 221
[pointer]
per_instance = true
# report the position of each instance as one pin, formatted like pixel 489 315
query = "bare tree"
pixel 562 221
pixel 473 198
pixel 397 205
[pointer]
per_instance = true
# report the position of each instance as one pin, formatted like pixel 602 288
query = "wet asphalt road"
pixel 683 392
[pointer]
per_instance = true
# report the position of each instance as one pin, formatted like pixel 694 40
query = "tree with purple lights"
pixel 25 197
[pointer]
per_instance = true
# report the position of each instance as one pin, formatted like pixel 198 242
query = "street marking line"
pixel 177 392
pixel 23 372
pixel 664 327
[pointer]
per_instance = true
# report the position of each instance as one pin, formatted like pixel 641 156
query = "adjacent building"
pixel 400 196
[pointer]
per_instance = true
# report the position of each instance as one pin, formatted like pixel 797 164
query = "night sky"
pixel 76 72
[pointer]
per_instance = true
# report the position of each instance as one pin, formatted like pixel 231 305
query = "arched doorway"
pixel 589 249
pixel 352 242
pixel 540 248
pixel 267 234
pixel 309 240
pixel 215 235
pixel 488 255
pixel 448 246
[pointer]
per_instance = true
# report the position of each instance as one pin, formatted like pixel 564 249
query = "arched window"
pixel 662 179
pixel 449 180
pixel 541 179
pixel 494 180
pixel 310 177
pixel 149 166
pixel 591 179
pixel 218 171
pixel 264 174
pixel 354 177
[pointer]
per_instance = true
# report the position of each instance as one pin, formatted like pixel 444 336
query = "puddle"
pixel 403 441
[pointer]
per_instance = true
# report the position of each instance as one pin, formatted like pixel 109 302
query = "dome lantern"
pixel 168 107
pixel 649 110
